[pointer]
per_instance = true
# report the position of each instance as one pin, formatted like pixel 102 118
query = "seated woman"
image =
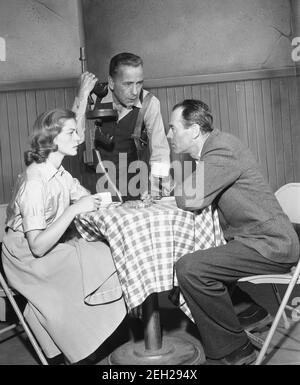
pixel 74 296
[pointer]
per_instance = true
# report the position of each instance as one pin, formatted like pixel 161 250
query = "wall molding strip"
pixel 162 82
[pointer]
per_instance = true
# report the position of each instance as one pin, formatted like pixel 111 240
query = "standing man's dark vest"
pixel 123 141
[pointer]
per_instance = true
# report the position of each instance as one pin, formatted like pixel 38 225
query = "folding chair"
pixel 7 292
pixel 288 197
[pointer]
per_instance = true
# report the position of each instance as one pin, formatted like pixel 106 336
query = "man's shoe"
pixel 245 355
pixel 254 318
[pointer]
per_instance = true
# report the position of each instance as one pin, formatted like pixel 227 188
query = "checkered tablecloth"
pixel 145 243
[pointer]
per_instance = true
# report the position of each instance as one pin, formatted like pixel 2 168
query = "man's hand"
pixel 87 82
pixel 161 186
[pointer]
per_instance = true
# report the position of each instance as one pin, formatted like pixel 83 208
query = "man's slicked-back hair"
pixel 125 59
pixel 196 111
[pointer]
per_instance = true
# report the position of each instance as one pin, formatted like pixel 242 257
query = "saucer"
pixel 109 205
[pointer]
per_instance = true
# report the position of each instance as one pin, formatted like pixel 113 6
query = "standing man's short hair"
pixel 196 111
pixel 125 59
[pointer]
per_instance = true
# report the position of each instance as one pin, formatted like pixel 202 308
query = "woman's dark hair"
pixel 125 59
pixel 46 127
pixel 196 111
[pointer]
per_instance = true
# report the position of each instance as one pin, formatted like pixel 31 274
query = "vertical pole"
pixel 82 57
pixel 80 23
pixel 152 329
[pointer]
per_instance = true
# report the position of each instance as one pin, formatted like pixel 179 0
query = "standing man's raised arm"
pixel 87 82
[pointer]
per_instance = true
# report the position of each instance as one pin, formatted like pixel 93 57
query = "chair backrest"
pixel 2 220
pixel 288 197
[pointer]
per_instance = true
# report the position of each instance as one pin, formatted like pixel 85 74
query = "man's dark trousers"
pixel 204 278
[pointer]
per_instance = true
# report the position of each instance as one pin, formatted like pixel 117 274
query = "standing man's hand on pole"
pixel 86 84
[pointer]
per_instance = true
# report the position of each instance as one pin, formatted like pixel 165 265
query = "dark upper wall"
pixel 175 37
pixel 42 39
pixel 189 37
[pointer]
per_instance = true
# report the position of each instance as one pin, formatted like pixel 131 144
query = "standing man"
pixel 260 238
pixel 138 133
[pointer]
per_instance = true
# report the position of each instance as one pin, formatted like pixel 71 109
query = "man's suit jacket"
pixel 228 177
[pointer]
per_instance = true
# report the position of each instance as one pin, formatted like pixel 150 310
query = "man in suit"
pixel 260 238
pixel 137 134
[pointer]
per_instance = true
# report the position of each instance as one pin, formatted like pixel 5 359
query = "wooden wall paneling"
pixel 200 92
pixel 179 94
pixel 31 108
pixel 269 133
pixel 22 125
pixel 5 156
pixel 171 100
pixel 205 96
pixel 166 96
pixel 241 112
pixel 41 105
pixel 1 165
pixel 286 130
pixel 295 125
pixel 50 99
pixel 187 92
pixel 196 92
pixel 260 127
pixel 13 126
pixel 162 97
pixel 232 108
pixel 170 103
pixel 250 111
pixel 166 104
pixel 224 110
pixel 60 98
pixel 214 104
pixel 69 96
pixel 278 142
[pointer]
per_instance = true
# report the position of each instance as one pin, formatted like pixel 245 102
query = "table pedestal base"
pixel 174 351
